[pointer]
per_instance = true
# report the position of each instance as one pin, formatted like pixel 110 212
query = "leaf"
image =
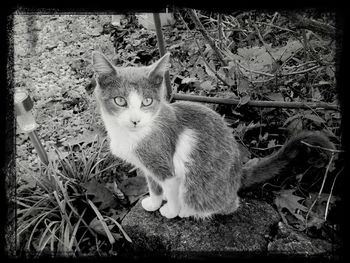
pixel 113 187
pixel 275 97
pixel 330 72
pixel 244 100
pixel 188 80
pixel 96 225
pixel 101 194
pixel 295 125
pixel 258 59
pixel 209 71
pixel 316 94
pixel 207 86
pixel 134 187
pixel 271 144
pixel 87 137
pixel 291 118
pixel 286 199
pixel 243 86
pixel 54 155
pixel 314 118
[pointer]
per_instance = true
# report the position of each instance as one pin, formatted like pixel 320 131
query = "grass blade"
pixel 75 231
pixel 103 223
pixel 121 229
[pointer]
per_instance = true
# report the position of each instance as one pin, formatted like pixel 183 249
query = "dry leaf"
pixel 314 118
pixel 207 86
pixel 101 194
pixel 134 187
pixel 286 199
pixel 96 225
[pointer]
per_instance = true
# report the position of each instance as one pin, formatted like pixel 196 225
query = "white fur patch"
pixel 184 146
pixel 171 193
pixel 124 135
pixel 123 141
pixel 134 100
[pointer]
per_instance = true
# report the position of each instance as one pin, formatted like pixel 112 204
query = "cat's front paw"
pixel 151 204
pixel 168 212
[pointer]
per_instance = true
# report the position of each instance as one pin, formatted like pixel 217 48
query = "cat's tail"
pixel 269 167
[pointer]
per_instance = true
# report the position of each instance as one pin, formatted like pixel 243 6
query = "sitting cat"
pixel 186 151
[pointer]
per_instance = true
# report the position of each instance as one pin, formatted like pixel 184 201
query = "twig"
pixel 268 28
pixel 300 65
pixel 220 29
pixel 263 42
pixel 264 104
pixel 278 27
pixel 330 194
pixel 312 25
pixel 301 71
pixel 206 36
pixel 263 81
pixel 273 75
pixel 320 147
pixel 268 148
pixel 202 55
pixel 321 189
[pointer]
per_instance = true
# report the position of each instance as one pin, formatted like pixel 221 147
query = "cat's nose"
pixel 135 122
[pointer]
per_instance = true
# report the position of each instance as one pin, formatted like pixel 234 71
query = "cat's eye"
pixel 146 102
pixel 120 101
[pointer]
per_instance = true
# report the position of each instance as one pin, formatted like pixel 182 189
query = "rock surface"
pixel 246 230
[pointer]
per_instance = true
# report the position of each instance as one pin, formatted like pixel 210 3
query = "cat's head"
pixel 130 95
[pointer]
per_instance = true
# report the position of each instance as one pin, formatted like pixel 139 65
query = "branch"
pixel 257 103
pixel 206 36
pixel 301 71
pixel 263 42
pixel 301 22
pixel 255 71
pixel 202 55
pixel 320 147
pixel 321 189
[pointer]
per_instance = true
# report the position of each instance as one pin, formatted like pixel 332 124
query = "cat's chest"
pixel 123 143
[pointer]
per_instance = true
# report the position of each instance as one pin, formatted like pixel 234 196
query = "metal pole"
pixel 38 147
pixel 161 46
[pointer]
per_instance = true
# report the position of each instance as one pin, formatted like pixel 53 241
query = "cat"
pixel 186 151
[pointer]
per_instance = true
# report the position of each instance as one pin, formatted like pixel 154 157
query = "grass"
pixel 54 217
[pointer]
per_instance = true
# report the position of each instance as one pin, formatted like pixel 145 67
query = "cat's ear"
pixel 158 68
pixel 101 64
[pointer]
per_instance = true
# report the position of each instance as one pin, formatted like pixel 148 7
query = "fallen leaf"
pixel 243 86
pixel 96 225
pixel 207 86
pixel 271 144
pixel 286 199
pixel 101 194
pixel 134 187
pixel 291 118
pixel 244 100
pixel 275 97
pixel 314 118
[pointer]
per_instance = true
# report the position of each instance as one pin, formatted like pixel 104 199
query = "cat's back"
pixel 201 118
